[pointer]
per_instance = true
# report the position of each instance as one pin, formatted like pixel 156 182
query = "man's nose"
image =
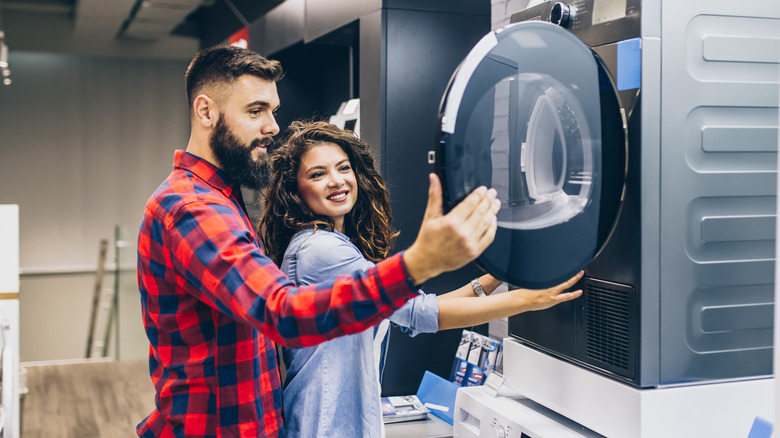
pixel 271 128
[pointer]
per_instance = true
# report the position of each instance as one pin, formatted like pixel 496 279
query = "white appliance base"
pixel 613 409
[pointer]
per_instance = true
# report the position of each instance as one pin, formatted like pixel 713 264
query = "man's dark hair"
pixel 220 65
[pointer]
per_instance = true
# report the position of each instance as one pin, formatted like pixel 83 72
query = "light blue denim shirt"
pixel 332 389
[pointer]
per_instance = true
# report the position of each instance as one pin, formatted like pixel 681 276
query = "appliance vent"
pixel 608 329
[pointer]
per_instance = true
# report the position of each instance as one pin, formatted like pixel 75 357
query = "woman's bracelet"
pixel 478 291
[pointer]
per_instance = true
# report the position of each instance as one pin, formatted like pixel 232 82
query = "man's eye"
pixel 254 112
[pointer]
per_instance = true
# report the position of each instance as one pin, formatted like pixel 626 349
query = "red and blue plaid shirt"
pixel 214 304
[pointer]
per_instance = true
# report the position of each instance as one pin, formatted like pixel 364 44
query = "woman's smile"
pixel 339 196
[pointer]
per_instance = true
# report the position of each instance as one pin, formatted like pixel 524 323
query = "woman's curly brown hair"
pixel 368 223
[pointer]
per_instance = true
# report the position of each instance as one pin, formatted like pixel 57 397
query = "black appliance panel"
pixel 601 330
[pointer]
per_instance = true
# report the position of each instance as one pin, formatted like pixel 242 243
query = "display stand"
pixel 614 409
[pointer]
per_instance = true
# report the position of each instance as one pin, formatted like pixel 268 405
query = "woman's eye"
pixel 317 175
pixel 344 168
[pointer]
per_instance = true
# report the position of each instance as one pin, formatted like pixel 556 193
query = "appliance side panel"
pixel 650 159
pixel 651 18
pixel 719 128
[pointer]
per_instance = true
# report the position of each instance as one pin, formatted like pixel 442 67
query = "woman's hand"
pixel 539 299
pixel 461 308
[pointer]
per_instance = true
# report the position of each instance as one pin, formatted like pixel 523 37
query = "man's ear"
pixel 206 111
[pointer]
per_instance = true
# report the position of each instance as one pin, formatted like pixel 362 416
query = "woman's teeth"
pixel 338 196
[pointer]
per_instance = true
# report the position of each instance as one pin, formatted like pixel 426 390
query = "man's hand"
pixel 448 242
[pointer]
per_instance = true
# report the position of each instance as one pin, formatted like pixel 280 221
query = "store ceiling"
pixel 170 29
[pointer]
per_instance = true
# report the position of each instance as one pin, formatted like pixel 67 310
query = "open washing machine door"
pixel 532 111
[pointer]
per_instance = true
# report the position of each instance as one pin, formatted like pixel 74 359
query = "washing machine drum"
pixel 532 111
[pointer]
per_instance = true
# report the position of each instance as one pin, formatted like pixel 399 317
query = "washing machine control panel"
pixel 498 430
pixel 595 22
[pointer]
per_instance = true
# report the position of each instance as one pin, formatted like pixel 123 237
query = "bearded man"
pixel 214 305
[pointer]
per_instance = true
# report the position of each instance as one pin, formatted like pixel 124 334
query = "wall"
pixel 84 142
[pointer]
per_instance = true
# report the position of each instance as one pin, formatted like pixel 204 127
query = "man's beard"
pixel 236 160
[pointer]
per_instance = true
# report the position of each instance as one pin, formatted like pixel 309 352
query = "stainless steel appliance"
pixel 638 141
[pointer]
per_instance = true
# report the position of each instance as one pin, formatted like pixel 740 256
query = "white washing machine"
pixel 479 413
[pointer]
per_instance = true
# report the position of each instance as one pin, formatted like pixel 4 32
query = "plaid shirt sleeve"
pixel 216 254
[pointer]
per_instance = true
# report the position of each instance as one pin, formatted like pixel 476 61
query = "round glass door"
pixel 532 112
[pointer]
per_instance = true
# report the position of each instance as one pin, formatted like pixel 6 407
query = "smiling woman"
pixel 311 172
pixel 328 214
